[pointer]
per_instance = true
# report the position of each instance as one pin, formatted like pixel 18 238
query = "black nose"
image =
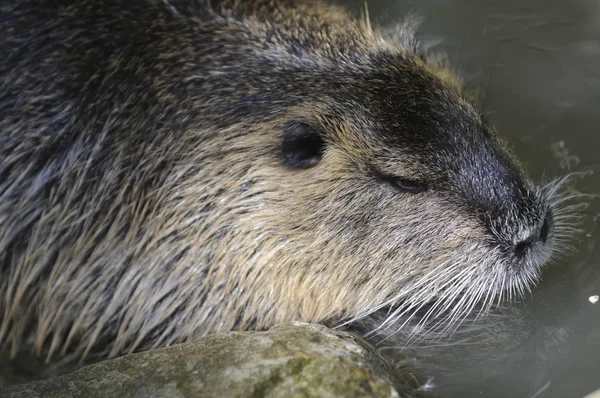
pixel 538 235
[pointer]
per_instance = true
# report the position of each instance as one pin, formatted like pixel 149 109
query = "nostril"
pixel 540 235
pixel 523 245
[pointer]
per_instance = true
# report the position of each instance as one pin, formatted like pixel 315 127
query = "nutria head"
pixel 397 192
pixel 240 166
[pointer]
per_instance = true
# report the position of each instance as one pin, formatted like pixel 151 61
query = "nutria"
pixel 171 169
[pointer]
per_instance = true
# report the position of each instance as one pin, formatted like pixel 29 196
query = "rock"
pixel 290 360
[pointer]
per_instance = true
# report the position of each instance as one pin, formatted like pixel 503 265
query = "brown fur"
pixel 144 200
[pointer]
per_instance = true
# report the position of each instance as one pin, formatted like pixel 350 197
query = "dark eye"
pixel 403 184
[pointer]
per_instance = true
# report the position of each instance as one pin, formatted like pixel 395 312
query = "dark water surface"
pixel 537 66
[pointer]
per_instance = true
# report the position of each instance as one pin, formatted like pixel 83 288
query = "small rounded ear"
pixel 302 145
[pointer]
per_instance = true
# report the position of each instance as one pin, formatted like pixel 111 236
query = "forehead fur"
pixel 381 96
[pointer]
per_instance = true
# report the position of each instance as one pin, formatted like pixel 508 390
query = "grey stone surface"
pixel 291 360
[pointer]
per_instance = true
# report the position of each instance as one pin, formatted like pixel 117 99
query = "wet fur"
pixel 144 200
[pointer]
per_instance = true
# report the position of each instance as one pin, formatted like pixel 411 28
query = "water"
pixel 537 66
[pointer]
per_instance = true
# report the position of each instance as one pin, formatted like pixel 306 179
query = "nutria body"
pixel 178 168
